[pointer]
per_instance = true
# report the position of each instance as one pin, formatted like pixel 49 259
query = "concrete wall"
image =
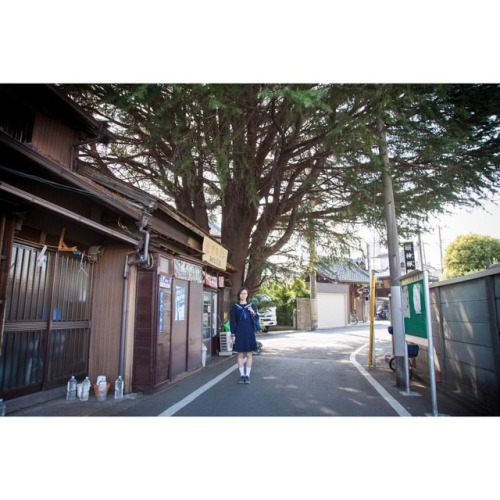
pixel 466 336
pixel 303 318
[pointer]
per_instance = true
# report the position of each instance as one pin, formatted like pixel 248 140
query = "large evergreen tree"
pixel 276 161
pixel 470 253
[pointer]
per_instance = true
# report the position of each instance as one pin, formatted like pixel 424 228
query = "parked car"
pixel 267 311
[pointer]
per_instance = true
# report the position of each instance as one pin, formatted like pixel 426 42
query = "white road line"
pixel 188 399
pixel 398 408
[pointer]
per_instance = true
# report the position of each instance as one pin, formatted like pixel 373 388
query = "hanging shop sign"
pixel 214 254
pixel 210 280
pixel 165 281
pixel 187 271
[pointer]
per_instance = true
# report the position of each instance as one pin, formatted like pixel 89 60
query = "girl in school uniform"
pixel 242 333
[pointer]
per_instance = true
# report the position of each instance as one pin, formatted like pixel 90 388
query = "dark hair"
pixel 240 290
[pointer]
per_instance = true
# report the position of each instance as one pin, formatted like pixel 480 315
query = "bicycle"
pixel 353 319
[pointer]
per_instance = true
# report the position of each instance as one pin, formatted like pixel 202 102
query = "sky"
pixel 484 221
pixel 226 41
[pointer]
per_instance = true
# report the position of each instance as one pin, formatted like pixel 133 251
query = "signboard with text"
pixel 409 252
pixel 414 305
pixel 214 254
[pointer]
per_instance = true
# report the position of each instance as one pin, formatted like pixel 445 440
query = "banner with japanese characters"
pixel 409 252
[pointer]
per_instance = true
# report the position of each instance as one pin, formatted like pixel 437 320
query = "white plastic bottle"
pixel 85 389
pixel 119 387
pixel 71 391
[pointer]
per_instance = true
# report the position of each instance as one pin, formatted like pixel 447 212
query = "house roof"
pixel 49 99
pixel 63 174
pixel 138 195
pixel 106 189
pixel 344 272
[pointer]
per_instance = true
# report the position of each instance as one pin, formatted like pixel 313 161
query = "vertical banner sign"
pixel 409 252
pixel 415 302
pixel 165 284
pixel 180 303
pixel 161 310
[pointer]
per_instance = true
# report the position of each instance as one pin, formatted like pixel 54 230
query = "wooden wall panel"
pixel 53 139
pixel 145 319
pixel 107 314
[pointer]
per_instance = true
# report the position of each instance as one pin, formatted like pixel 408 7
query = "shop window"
pixel 16 119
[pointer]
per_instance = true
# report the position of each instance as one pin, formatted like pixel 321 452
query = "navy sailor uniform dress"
pixel 241 324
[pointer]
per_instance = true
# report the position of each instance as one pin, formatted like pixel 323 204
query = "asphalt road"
pixel 298 374
pixel 324 373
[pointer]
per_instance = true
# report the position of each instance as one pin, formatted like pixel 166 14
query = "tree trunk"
pixel 240 217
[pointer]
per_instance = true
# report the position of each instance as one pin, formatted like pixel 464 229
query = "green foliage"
pixel 283 162
pixel 284 296
pixel 470 253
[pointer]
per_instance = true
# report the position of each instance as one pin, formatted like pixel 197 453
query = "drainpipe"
pixel 124 314
pixel 145 251
pixel 142 261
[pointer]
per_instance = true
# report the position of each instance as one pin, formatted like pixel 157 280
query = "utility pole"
pixel 440 250
pixel 314 299
pixel 421 250
pixel 313 259
pixel 394 257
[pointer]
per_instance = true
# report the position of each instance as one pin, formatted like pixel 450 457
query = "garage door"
pixel 331 309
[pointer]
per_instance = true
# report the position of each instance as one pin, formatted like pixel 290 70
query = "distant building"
pixel 342 289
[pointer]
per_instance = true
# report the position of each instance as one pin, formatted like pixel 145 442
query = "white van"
pixel 267 313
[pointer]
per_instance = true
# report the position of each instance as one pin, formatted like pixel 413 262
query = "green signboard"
pixel 414 304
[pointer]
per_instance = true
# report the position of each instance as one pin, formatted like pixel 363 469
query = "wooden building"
pixel 342 289
pixel 96 277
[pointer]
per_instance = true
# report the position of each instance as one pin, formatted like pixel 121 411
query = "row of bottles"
pixel 84 391
pixel 72 391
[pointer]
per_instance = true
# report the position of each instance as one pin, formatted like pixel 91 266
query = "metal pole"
pixel 432 373
pixel 123 329
pixel 371 361
pixel 394 259
pixel 421 251
pixel 440 249
pixel 407 371
pixel 314 299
